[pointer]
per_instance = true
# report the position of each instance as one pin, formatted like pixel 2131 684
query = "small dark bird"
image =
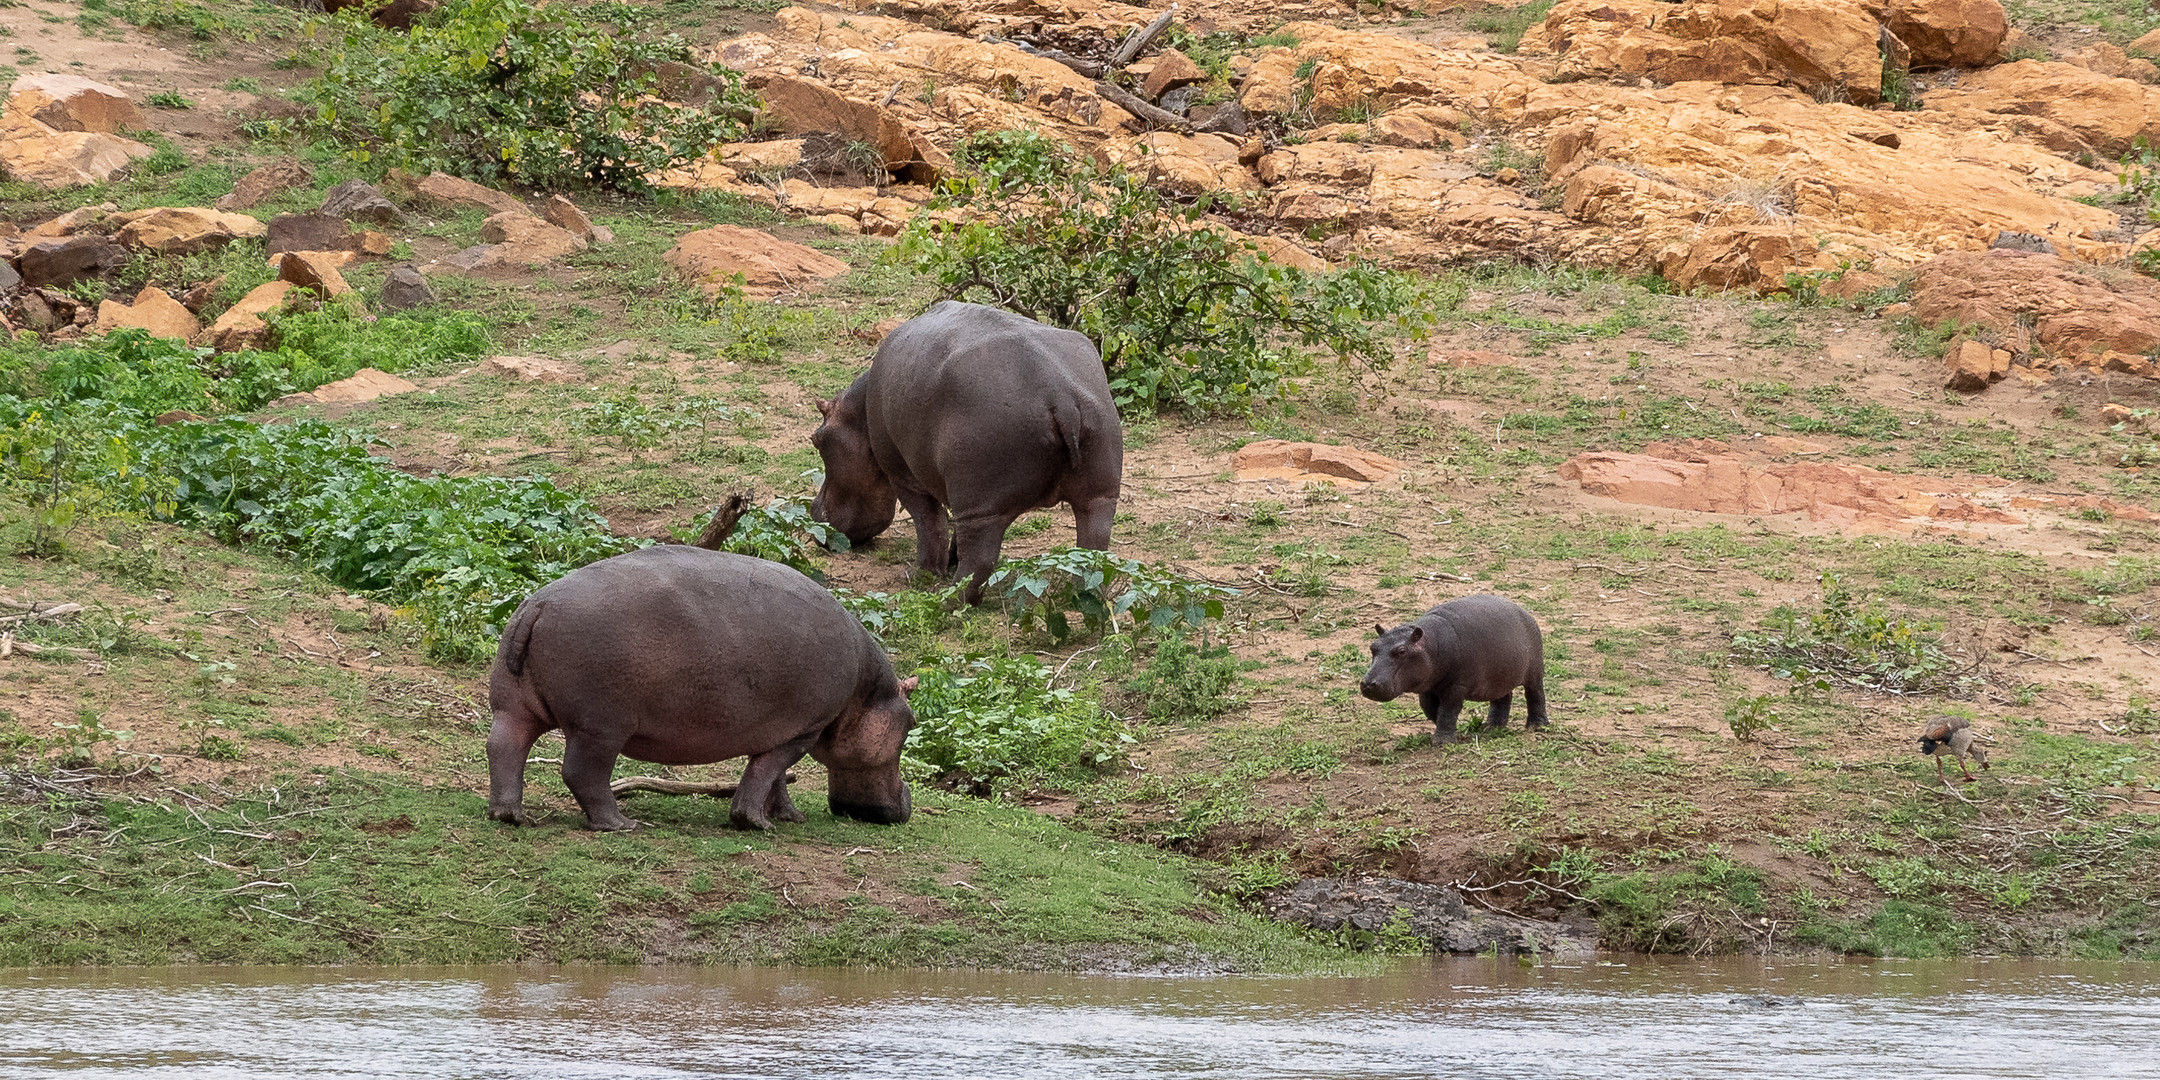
pixel 1951 735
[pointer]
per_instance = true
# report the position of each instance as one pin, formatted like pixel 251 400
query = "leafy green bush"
pixel 63 465
pixel 1855 643
pixel 1102 587
pixel 995 722
pixel 546 96
pixel 1185 313
pixel 1188 683
pixel 783 531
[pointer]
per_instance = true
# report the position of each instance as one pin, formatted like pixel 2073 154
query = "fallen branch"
pixel 714 788
pixel 1161 118
pixel 35 613
pixel 1140 38
pixel 723 522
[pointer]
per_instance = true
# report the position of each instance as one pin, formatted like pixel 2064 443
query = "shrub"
pixel 1101 587
pixel 996 722
pixel 492 89
pixel 783 531
pixel 1188 683
pixel 1186 315
pixel 1855 643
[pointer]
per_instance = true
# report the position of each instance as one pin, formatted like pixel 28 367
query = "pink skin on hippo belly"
pixel 1477 648
pixel 970 417
pixel 682 656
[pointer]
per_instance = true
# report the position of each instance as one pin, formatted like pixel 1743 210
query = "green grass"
pixel 1504 28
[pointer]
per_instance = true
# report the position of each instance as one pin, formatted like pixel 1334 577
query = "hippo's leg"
pixel 1443 714
pixel 1093 522
pixel 1496 716
pixel 933 534
pixel 757 802
pixel 980 540
pixel 1534 700
pixel 588 763
pixel 509 740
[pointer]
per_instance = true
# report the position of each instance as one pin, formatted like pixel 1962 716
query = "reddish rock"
pixel 317 270
pixel 1278 459
pixel 2071 310
pixel 1172 69
pixel 186 230
pixel 71 103
pixel 522 239
pixel 565 215
pixel 1974 365
pixel 712 258
pixel 1949 33
pixel 802 107
pixel 242 326
pixel 1463 358
pixel 443 189
pixel 1705 477
pixel 366 384
pixel 267 183
pixel 530 369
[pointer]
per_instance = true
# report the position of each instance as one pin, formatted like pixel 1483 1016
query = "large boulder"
pixel 1949 33
pixel 522 239
pixel 802 107
pixel 73 103
pixel 711 259
pixel 1182 164
pixel 2067 107
pixel 153 310
pixel 1821 46
pixel 186 230
pixel 40 156
pixel 2076 313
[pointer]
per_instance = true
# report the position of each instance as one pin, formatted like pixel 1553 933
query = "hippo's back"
pixel 959 354
pixel 671 641
pixel 1486 615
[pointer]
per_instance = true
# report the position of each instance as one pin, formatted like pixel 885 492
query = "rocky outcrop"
pixel 2065 107
pixel 1948 33
pixel 1820 46
pixel 1429 913
pixel 764 265
pixel 1279 459
pixel 2039 307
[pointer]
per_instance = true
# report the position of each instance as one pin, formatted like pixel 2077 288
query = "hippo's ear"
pixel 825 406
pixel 1417 634
pixel 908 685
pixel 1379 629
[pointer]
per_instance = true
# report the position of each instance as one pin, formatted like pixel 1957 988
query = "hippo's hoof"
pixel 749 824
pixel 1442 738
pixel 510 816
pixel 789 814
pixel 620 824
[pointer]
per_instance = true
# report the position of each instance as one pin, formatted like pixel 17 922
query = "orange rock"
pixel 1182 164
pixel 565 215
pixel 458 193
pixel 366 384
pixel 522 239
pixel 185 230
pixel 73 103
pixel 267 183
pixel 1278 459
pixel 1949 33
pixel 317 270
pixel 2070 310
pixel 2066 106
pixel 1851 496
pixel 1973 366
pixel 712 258
pixel 2106 59
pixel 2147 45
pixel 1172 69
pixel 242 325
pixel 153 310
pixel 1816 45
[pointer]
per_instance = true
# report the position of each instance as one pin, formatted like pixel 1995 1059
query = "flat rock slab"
pixel 366 384
pixel 1279 459
pixel 711 258
pixel 1432 913
pixel 530 369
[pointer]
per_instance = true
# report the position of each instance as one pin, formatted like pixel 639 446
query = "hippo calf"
pixel 1477 648
pixel 980 411
pixel 683 656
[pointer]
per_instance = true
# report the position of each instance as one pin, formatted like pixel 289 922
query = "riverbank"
pixel 222 756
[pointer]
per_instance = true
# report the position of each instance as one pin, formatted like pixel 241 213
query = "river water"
pixel 1456 1018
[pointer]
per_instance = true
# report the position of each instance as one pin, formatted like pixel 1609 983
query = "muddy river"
pixel 1454 1018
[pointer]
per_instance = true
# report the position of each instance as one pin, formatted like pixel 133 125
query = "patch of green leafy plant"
pixel 1902 928
pixel 1187 683
pixel 989 721
pixel 1853 641
pixel 783 531
pixel 1672 908
pixel 1102 588
pixel 170 99
pixel 1504 27
pixel 1186 316
pixel 509 89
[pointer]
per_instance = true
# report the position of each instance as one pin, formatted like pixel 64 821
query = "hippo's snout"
pixel 1375 691
pixel 875 813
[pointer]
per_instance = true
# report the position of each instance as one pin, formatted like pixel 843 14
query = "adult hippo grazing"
pixel 684 656
pixel 977 410
pixel 1477 648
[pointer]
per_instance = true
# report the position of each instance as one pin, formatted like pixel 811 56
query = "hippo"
pixel 979 410
pixel 682 656
pixel 1477 648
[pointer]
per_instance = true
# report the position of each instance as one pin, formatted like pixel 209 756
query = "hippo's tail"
pixel 517 638
pixel 1066 422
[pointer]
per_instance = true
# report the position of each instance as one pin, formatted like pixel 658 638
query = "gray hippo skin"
pixel 1478 648
pixel 683 656
pixel 979 410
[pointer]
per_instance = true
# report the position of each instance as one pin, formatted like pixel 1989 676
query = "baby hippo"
pixel 1478 648
pixel 683 656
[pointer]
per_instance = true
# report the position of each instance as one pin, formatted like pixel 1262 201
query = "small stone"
pixel 1179 101
pixel 153 310
pixel 267 183
pixel 1278 459
pixel 358 200
pixel 199 296
pixel 405 289
pixel 446 190
pixel 366 384
pixel 307 232
pixel 9 279
pixel 2114 413
pixel 1228 118
pixel 242 325
pixel 521 238
pixel 1508 176
pixel 1172 69
pixel 472 258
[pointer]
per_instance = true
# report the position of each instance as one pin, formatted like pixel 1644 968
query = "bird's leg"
pixel 1939 775
pixel 1961 765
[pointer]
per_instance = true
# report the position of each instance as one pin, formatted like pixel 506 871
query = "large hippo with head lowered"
pixel 977 410
pixel 684 656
